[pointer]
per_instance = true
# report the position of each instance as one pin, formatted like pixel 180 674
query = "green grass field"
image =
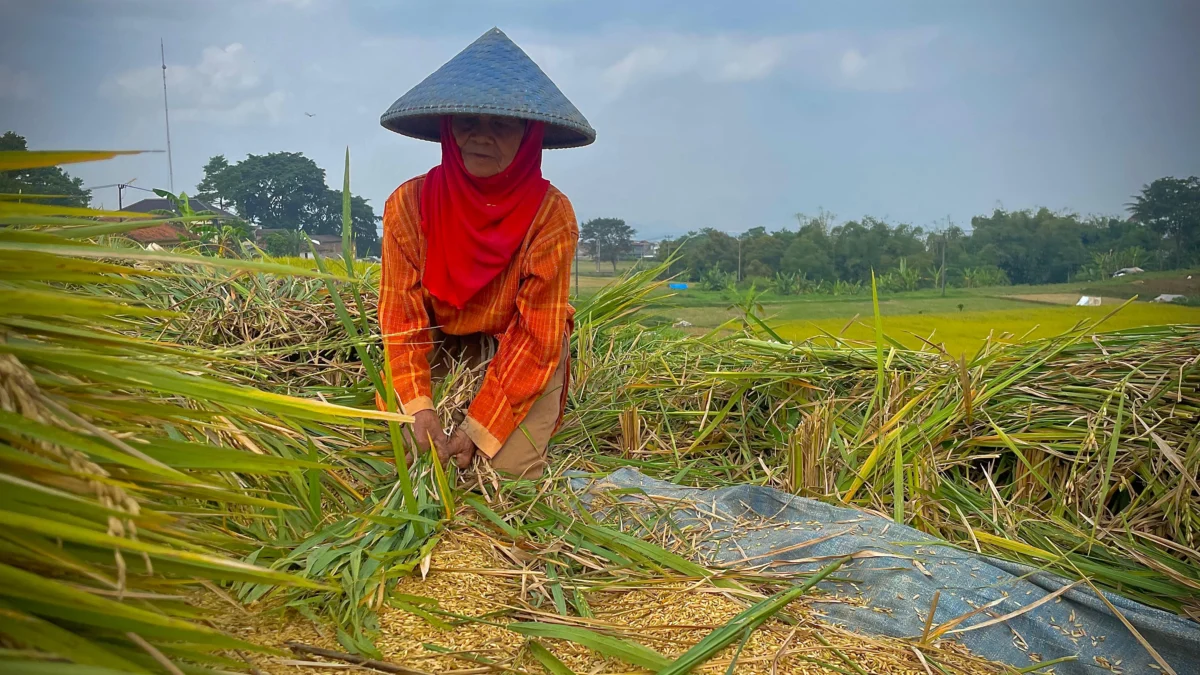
pixel 960 321
pixel 333 265
pixel 712 312
pixel 965 332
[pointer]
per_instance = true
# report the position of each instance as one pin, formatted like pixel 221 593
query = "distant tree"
pixel 1171 207
pixel 757 269
pixel 223 235
pixel 957 254
pixel 908 275
pixel 280 190
pixel 1107 233
pixel 1023 247
pixel 48 180
pixel 328 220
pixel 709 249
pixel 714 279
pixel 762 253
pixel 287 191
pixel 289 243
pixel 808 252
pixel 988 275
pixel 786 284
pixel 607 239
pixel 1031 247
pixel 216 184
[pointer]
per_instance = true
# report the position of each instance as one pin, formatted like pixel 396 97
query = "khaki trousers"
pixel 523 455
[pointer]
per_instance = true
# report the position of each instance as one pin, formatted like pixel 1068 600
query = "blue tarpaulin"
pixel 767 528
pixel 675 286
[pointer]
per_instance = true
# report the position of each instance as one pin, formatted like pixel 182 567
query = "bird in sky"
pixel 310 114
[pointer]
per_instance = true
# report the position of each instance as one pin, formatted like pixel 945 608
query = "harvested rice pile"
pixel 163 382
pixel 470 577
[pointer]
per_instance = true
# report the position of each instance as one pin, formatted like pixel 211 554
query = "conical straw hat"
pixel 490 77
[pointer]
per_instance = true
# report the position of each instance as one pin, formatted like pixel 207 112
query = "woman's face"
pixel 488 143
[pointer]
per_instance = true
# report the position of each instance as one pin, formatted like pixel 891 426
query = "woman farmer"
pixel 477 255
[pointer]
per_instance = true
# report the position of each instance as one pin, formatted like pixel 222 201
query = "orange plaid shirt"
pixel 526 308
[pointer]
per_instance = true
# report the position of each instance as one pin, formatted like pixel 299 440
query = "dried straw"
pixel 469 577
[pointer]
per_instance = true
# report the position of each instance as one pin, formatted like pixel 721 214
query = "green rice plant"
pixel 626 650
pixel 1037 421
pixel 548 660
pixel 744 623
pixel 360 552
pixel 134 470
pixel 175 374
pixel 1072 451
pixel 389 533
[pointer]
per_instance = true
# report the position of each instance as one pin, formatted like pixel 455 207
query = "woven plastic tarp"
pixel 763 528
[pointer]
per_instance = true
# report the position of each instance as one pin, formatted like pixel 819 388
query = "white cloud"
pixel 746 61
pixel 852 63
pixel 225 87
pixel 551 57
pixel 268 107
pixel 645 62
pixel 884 61
pixel 717 58
pixel 891 61
pixel 17 85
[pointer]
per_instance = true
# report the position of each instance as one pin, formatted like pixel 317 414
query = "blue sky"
pixel 728 115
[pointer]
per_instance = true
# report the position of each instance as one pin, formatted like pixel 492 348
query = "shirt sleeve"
pixel 531 347
pixel 403 317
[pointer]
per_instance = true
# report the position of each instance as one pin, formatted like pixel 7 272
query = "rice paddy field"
pixel 959 322
pixel 197 478
pixel 965 333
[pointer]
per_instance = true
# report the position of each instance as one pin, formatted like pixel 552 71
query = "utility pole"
pixel 577 270
pixel 166 115
pixel 943 264
pixel 739 276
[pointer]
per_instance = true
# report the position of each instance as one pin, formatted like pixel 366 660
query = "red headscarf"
pixel 473 226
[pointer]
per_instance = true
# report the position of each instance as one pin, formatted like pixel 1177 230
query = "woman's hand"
pixel 461 448
pixel 426 426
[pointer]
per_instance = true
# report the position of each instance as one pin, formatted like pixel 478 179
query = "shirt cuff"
pixel 417 405
pixel 481 437
pixel 413 407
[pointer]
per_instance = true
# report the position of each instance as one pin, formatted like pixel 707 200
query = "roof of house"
pixel 159 204
pixel 318 239
pixel 261 233
pixel 162 233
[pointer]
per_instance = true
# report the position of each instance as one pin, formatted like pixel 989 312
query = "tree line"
pixel 47 180
pixel 1038 246
pixel 282 191
pixel 286 191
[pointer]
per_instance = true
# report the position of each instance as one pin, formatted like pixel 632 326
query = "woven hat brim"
pixel 492 76
pixel 425 124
